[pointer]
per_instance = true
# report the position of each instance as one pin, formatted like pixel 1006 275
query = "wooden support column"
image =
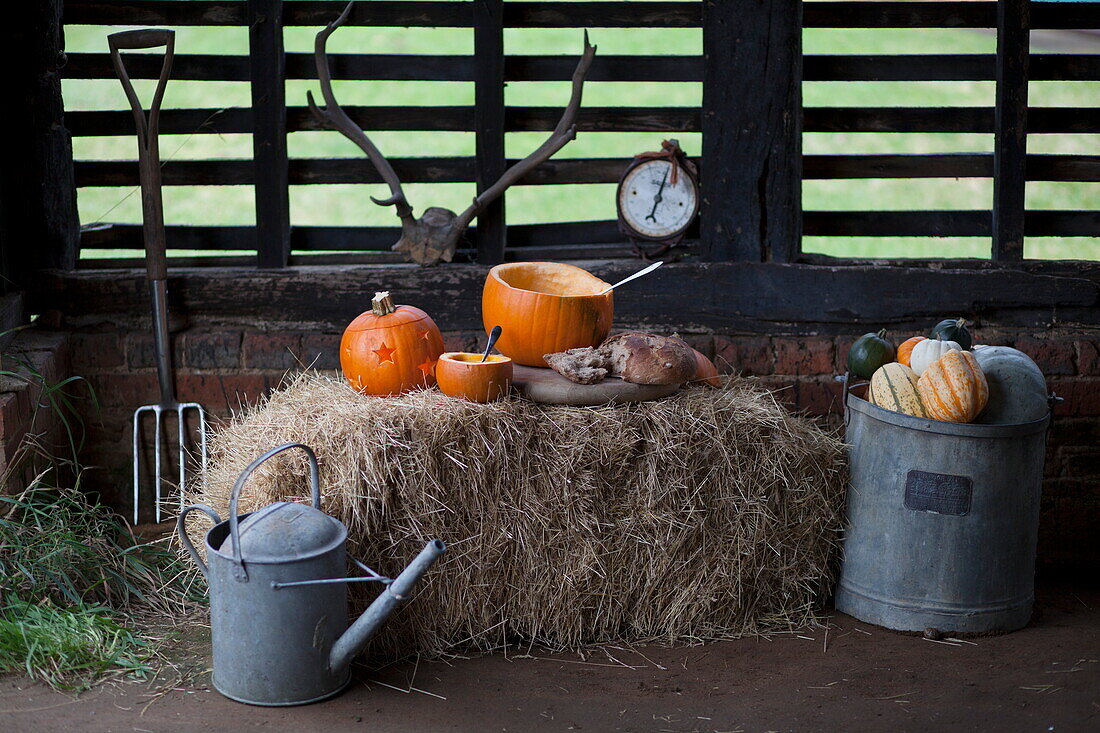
pixel 39 225
pixel 268 67
pixel 489 123
pixel 1010 129
pixel 752 130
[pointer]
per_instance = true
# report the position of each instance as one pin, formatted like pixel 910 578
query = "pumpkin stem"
pixel 881 333
pixel 382 304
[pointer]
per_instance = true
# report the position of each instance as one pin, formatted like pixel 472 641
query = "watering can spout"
pixel 393 595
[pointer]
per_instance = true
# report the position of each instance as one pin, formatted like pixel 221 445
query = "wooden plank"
pixel 1039 223
pixel 618 68
pixel 727 297
pixel 602 15
pixel 896 223
pixel 605 68
pixel 935 165
pixel 39 226
pixel 310 171
pixel 265 38
pixel 752 136
pixel 229 12
pixel 596 119
pixel 488 19
pixel 1010 130
pixel 875 14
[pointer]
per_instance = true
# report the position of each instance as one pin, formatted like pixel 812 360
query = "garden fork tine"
pixel 152 208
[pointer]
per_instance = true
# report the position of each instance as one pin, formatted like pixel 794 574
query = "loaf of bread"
pixel 641 358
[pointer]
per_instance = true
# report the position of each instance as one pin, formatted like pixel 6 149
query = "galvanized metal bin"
pixel 942 521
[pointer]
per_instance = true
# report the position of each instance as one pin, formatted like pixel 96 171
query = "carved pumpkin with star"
pixel 390 349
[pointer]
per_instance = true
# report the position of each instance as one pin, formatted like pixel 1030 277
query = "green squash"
pixel 1017 389
pixel 953 329
pixel 868 353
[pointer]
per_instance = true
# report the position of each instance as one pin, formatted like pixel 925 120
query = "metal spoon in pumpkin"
pixel 493 336
pixel 635 276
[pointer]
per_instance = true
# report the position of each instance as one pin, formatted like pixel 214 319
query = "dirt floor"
pixel 856 678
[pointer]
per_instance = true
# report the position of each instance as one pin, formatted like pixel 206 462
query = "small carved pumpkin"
pixel 927 351
pixel 954 389
pixel 390 349
pixel 463 374
pixel 905 351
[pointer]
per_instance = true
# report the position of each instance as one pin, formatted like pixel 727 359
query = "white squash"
pixel 928 351
pixel 1017 388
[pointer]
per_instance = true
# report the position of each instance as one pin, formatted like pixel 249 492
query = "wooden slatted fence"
pixel 763 164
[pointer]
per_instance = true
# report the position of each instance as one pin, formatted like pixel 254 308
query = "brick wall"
pixel 225 369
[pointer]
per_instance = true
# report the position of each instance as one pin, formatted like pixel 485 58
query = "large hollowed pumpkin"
pixel 544 308
pixel 1017 388
pixel 390 349
pixel 953 388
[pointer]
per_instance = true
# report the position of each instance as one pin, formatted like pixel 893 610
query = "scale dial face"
pixel 652 206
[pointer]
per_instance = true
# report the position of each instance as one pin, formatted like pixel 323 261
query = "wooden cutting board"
pixel 549 387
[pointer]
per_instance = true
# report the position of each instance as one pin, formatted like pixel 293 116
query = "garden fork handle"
pixel 152 205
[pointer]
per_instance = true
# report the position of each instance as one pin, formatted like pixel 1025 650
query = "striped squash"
pixel 953 388
pixel 894 387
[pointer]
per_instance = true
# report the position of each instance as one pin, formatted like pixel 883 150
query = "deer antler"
pixel 565 131
pixel 434 236
pixel 334 118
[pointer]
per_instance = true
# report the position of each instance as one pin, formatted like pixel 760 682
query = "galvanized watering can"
pixel 278 598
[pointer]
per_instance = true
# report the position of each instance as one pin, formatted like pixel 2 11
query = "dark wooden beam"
pixel 1010 130
pixel 726 297
pixel 40 227
pixel 269 156
pixel 488 20
pixel 752 132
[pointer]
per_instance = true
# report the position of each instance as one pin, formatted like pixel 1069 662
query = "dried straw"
pixel 709 514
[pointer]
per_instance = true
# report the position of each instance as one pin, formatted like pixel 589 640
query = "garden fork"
pixel 152 207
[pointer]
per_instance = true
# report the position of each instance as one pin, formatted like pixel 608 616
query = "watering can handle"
pixel 186 541
pixel 315 487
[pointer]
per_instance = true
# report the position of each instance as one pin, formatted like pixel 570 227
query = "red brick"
pixel 749 355
pixel 701 342
pixel 463 340
pixel 1067 487
pixel 1088 358
pixel 1053 356
pixel 130 390
pixel 841 346
pixel 321 350
pixel 221 394
pixel 141 353
pixel 272 350
pixel 820 396
pixel 1081 395
pixel 1080 461
pixel 95 351
pixel 210 350
pixel 803 356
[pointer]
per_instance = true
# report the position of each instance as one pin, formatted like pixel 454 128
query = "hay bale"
pixel 708 514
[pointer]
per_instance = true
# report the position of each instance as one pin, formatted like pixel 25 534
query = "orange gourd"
pixel 464 374
pixel 906 350
pixel 953 388
pixel 545 307
pixel 390 349
pixel 705 371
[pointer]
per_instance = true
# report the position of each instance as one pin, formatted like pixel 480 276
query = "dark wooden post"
pixel 752 130
pixel 1010 128
pixel 489 121
pixel 268 66
pixel 40 227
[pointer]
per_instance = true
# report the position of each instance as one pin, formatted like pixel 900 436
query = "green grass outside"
pixel 348 205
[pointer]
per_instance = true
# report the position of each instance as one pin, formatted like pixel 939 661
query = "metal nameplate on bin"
pixel 938 492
